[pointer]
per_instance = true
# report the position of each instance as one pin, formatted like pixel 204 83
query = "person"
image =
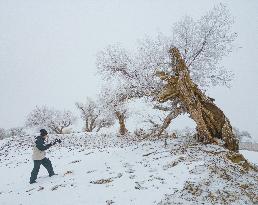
pixel 39 156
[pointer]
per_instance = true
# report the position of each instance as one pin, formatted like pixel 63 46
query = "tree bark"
pixel 172 115
pixel 121 119
pixel 212 124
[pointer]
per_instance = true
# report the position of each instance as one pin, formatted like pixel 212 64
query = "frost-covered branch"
pixel 54 120
pixel 203 43
pixel 94 116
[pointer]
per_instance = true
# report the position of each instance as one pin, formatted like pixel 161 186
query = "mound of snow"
pixel 107 169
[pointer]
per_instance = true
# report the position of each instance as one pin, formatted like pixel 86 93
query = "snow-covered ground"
pixel 106 169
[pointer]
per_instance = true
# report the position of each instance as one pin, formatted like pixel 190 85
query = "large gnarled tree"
pixel 212 124
pixel 201 45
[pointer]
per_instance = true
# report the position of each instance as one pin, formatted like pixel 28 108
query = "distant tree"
pixel 241 135
pixel 94 118
pixel 52 119
pixel 16 131
pixel 112 101
pixel 2 133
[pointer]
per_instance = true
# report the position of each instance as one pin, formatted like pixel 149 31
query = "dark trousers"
pixel 46 163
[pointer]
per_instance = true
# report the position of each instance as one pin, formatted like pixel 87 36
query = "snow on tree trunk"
pixel 121 119
pixel 211 122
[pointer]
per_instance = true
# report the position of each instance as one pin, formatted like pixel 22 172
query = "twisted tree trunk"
pixel 212 124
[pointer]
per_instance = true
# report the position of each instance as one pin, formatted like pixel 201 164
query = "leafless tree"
pixel 16 131
pixel 52 119
pixel 113 103
pixel 93 116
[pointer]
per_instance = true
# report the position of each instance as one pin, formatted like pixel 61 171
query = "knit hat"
pixel 43 132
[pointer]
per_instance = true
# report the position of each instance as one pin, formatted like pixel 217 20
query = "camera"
pixel 58 140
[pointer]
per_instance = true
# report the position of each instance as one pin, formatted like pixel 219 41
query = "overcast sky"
pixel 48 49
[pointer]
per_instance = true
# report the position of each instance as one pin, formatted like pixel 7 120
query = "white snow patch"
pixel 102 169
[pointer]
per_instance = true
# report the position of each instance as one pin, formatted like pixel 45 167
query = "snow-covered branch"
pixel 54 120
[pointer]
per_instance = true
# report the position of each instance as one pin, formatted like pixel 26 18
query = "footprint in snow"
pixel 43 177
pixel 139 186
pixel 57 186
pixel 75 161
pixel 130 171
pixel 127 165
pixel 29 190
pixel 132 176
pixel 153 170
pixel 91 171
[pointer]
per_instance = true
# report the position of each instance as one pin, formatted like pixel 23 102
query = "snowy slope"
pixel 106 169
